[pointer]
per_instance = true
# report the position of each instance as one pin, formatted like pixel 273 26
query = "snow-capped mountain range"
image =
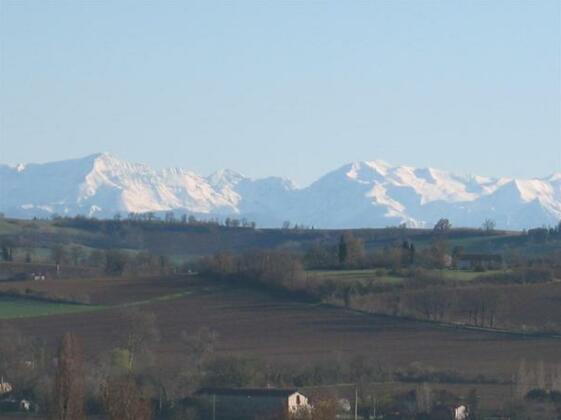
pixel 360 194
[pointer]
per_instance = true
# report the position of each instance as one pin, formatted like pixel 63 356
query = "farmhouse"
pixel 37 276
pixel 479 261
pixel 461 412
pixel 241 403
pixel 5 387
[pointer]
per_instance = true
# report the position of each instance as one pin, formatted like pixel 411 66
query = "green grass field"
pixel 378 275
pixel 461 275
pixel 23 308
pixel 383 276
pixel 16 307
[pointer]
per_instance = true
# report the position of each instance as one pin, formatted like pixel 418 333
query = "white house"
pixel 5 387
pixel 461 413
pixel 25 405
pixel 298 402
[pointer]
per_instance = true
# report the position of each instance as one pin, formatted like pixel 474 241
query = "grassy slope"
pixel 103 293
pixel 182 242
pixel 254 323
pixel 15 307
pixel 23 308
pixel 383 276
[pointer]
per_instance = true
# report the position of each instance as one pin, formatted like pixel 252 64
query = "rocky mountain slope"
pixel 360 194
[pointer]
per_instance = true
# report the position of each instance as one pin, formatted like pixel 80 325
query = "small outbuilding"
pixel 461 412
pixel 38 276
pixel 5 387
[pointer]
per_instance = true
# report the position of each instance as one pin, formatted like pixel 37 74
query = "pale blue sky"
pixel 289 88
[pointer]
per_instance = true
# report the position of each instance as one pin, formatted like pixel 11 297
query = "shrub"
pixel 479 268
pixel 555 396
pixel 537 394
pixel 232 371
pixel 520 276
pixel 417 372
pixel 422 278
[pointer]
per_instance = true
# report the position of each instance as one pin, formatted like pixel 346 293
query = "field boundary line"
pixel 451 325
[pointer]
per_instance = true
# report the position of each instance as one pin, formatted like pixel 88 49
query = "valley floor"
pixel 256 324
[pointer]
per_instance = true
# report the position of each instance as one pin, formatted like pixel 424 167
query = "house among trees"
pixel 479 262
pixel 37 276
pixel 240 403
pixel 5 387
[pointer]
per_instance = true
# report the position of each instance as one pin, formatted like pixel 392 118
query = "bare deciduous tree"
pixel 124 400
pixel 480 306
pixel 58 254
pixel 351 250
pixel 69 388
pixel 439 253
pixel 424 398
pixel 199 346
pixel 442 226
pixel 76 254
pixel 433 304
pixel 489 225
pixel 141 333
pixel 22 358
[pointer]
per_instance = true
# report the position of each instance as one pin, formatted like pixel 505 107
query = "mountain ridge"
pixel 358 194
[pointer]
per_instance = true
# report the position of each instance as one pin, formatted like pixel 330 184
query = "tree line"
pixel 127 383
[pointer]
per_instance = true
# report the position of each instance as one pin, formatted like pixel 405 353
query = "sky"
pixel 285 88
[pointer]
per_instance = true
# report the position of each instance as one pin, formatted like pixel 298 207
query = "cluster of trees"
pixel 7 249
pixel 287 225
pixel 12 249
pixel 350 253
pixel 474 306
pixel 538 380
pixel 544 234
pixel 279 271
pixel 422 295
pixel 117 262
pixel 276 270
pixel 523 275
pixel 422 292
pixel 127 382
pixel 122 383
pixel 169 218
pixel 113 262
pixel 442 226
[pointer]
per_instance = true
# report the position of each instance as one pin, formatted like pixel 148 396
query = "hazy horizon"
pixel 463 87
pixel 296 183
pixel 280 209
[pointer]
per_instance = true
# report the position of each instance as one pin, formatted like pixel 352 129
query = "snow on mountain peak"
pixel 554 177
pixel 108 163
pixel 379 166
pixel 366 171
pixel 224 177
pixel 360 194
